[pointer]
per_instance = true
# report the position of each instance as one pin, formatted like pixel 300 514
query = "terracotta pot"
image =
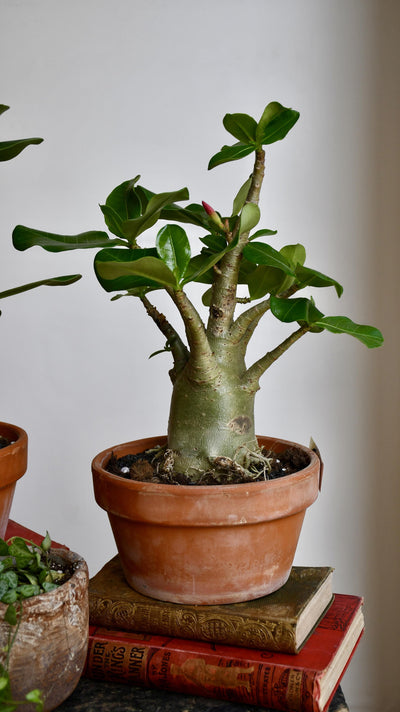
pixel 13 463
pixel 51 644
pixel 205 545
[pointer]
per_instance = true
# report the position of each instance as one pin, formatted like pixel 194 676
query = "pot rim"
pixel 50 599
pixel 99 461
pixel 13 457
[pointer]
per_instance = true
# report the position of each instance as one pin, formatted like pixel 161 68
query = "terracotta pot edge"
pixel 99 472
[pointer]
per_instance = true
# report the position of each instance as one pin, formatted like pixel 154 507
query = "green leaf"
pixel 249 217
pixel 259 253
pixel 51 282
pixel 241 196
pixel 265 280
pixel 241 126
pixel 294 254
pixel 134 227
pixel 276 121
pixel 193 213
pixel 25 237
pixel 122 204
pixel 3 548
pixel 34 696
pixel 174 249
pixel 28 590
pixel 10 578
pixel 262 233
pixel 11 615
pixel 48 586
pixel 368 335
pixel 3 108
pixel 141 271
pixel 46 543
pixel 299 309
pixel 213 243
pixel 311 278
pixel 200 265
pixel 125 201
pixel 10 596
pixel 10 149
pixel 230 153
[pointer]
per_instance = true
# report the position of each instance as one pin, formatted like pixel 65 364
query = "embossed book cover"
pixel 281 621
pixel 305 682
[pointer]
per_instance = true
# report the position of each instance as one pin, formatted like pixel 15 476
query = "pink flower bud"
pixel 213 215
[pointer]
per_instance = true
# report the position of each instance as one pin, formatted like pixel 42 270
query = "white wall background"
pixel 119 87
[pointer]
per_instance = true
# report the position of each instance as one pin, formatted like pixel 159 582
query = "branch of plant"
pixel 203 365
pixel 254 372
pixel 180 353
pixel 223 302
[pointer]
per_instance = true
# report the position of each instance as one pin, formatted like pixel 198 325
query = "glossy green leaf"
pixel 214 243
pixel 174 249
pixel 230 153
pixel 276 121
pixel 10 149
pixel 51 282
pixel 241 126
pixel 25 237
pixel 258 253
pixel 119 269
pixel 298 309
pixel 368 335
pixel 199 267
pixel 241 196
pixel 294 254
pixel 262 233
pixel 124 200
pixel 193 213
pixel 265 280
pixel 249 217
pixel 311 278
pixel 134 227
pixel 122 204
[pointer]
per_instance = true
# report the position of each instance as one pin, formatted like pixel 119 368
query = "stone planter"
pixel 50 648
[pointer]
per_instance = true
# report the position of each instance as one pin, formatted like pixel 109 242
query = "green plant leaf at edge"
pixel 24 237
pixel 61 281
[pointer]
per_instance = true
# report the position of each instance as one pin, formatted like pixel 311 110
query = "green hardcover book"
pixel 279 622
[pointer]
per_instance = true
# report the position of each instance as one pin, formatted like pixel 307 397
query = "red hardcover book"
pixel 15 529
pixel 304 683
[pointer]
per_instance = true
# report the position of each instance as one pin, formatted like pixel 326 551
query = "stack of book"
pixel 286 651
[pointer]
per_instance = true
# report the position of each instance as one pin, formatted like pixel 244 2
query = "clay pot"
pixel 13 463
pixel 205 545
pixel 51 644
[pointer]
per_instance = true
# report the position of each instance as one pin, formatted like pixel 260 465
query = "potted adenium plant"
pixel 213 524
pixel 13 439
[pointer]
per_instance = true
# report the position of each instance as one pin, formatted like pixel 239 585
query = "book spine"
pixel 236 630
pixel 154 661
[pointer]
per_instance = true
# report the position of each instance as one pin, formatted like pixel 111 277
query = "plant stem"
pixel 223 302
pixel 255 371
pixel 201 366
pixel 179 351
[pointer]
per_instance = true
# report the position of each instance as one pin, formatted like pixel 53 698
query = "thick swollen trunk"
pixel 210 420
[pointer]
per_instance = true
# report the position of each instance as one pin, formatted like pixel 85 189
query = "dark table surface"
pixel 93 696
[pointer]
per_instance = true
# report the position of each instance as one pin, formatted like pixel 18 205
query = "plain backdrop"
pixel 121 87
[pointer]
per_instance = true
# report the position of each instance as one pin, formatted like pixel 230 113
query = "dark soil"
pixel 4 442
pixel 150 466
